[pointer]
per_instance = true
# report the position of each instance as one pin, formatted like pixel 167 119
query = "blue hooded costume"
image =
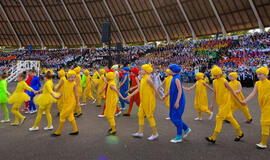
pixel 176 114
pixel 35 84
pixel 124 88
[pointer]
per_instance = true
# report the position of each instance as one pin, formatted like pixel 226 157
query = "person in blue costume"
pixel 177 104
pixel 35 84
pixel 124 87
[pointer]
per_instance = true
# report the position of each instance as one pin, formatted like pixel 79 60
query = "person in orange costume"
pixel 134 85
pixel 104 107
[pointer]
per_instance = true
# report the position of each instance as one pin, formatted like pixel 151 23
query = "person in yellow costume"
pixel 96 77
pixel 101 87
pixel 18 97
pixel 111 101
pixel 78 110
pixel 70 101
pixel 87 90
pixel 147 107
pixel 167 81
pixel 201 100
pixel 237 87
pixel 262 87
pixel 222 94
pixel 45 101
pixel 59 89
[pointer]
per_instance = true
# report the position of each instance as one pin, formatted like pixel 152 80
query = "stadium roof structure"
pixel 78 22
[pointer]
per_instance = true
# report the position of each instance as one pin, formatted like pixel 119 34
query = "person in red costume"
pixel 118 112
pixel 134 85
pixel 28 82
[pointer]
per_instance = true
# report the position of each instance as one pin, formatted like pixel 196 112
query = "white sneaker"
pixel 198 119
pixel 261 146
pixel 101 116
pixel 176 141
pixel 137 135
pixel 153 137
pixel 5 121
pixel 34 111
pixel 27 112
pixel 48 128
pixel 83 104
pixel 211 116
pixel 33 129
pixel 168 118
pixel 94 101
pixel 186 134
pixel 117 114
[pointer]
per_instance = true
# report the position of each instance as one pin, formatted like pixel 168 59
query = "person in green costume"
pixel 4 96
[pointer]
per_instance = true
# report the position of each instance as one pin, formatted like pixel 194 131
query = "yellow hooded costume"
pixel 88 84
pixel 201 101
pixel 69 103
pixel 111 101
pixel 62 76
pixel 101 86
pixel 235 104
pixel 263 88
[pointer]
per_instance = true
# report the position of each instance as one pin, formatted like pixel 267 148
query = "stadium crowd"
pixel 243 54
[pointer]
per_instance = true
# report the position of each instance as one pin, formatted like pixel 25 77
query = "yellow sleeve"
pixel 25 86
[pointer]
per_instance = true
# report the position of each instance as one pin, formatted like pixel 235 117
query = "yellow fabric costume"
pixel 87 90
pixel 17 98
pixel 235 104
pixel 111 101
pixel 96 78
pixel 69 103
pixel 201 101
pixel 224 102
pixel 168 81
pixel 62 80
pixel 78 111
pixel 148 101
pixel 263 88
pixel 45 101
pixel 101 85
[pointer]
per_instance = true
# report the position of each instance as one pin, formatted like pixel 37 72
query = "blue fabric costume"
pixel 176 114
pixel 35 84
pixel 124 88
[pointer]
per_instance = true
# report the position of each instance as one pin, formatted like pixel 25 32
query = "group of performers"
pixel 114 86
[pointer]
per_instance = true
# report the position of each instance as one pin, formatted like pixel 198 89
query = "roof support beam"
pixel 30 20
pixel 50 18
pixel 91 17
pixel 257 15
pixel 188 22
pixel 218 18
pixel 136 21
pixel 11 26
pixel 160 21
pixel 116 25
pixel 73 23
